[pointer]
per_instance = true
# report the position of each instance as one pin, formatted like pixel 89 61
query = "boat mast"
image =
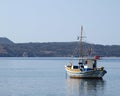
pixel 81 46
pixel 81 49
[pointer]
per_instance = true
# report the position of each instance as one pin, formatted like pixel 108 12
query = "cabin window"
pixel 75 67
pixel 94 64
pixel 86 62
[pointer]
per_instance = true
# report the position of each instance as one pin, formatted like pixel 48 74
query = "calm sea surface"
pixel 47 77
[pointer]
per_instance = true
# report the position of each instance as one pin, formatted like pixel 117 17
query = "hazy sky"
pixel 60 20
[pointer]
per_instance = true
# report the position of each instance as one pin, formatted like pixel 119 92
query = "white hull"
pixel 87 74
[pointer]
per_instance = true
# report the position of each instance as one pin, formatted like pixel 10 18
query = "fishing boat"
pixel 86 67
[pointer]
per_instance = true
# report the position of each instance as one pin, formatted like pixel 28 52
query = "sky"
pixel 24 21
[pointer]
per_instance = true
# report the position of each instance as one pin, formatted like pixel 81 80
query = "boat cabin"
pixel 88 64
pixel 84 64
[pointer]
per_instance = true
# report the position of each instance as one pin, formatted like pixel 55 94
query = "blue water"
pixel 47 77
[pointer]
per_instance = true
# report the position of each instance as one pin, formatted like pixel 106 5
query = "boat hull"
pixel 87 74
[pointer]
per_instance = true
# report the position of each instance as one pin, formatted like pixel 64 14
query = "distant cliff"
pixel 4 40
pixel 55 49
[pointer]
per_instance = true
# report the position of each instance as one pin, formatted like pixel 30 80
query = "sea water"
pixel 46 76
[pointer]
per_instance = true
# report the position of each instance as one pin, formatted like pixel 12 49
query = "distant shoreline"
pixel 66 49
pixel 54 49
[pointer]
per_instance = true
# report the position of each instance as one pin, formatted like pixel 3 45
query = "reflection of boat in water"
pixel 85 87
pixel 86 68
